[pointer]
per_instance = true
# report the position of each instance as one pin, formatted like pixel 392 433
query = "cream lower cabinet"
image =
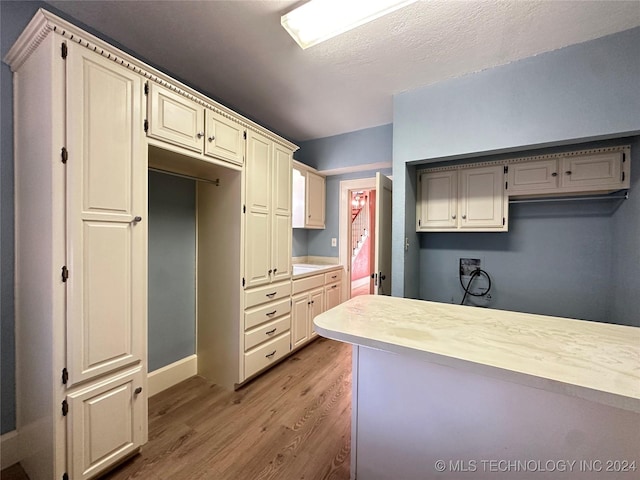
pixel 267 324
pixel 81 300
pixel 332 289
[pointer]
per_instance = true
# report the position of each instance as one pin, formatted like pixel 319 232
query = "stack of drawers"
pixel 267 324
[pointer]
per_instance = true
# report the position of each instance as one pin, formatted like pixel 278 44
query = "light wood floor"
pixel 293 422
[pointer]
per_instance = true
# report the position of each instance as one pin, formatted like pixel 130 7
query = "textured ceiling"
pixel 237 51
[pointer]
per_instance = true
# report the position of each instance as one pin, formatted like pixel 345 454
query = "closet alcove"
pixel 197 286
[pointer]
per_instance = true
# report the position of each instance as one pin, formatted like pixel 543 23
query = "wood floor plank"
pixel 293 422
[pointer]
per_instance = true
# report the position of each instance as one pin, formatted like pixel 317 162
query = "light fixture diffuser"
pixel 320 20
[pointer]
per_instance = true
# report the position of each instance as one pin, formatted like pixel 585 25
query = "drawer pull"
pixel 271 314
pixel 269 355
pixel 271 332
pixel 138 391
pixel 334 276
pixel 334 286
pixel 271 295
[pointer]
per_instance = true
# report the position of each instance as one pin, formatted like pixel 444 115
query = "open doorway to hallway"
pixel 363 204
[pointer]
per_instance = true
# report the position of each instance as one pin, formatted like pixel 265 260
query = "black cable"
pixel 477 272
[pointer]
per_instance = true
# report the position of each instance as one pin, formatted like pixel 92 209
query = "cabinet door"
pixel 600 170
pixel 437 200
pixel 225 138
pixel 315 200
pixel 105 423
pixel 482 199
pixel 281 234
pixel 316 308
pixel 300 319
pixel 257 263
pixel 106 193
pixel 332 295
pixel 175 119
pixel 533 177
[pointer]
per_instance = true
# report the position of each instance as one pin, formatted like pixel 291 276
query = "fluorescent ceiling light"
pixel 320 20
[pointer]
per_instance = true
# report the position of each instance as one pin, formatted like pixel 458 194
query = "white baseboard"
pixel 9 452
pixel 172 374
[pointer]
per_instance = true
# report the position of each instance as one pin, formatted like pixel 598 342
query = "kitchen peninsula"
pixel 439 390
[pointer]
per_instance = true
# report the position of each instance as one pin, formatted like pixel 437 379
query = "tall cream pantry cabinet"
pixel 80 195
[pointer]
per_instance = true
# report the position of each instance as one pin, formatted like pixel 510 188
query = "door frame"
pixel 344 231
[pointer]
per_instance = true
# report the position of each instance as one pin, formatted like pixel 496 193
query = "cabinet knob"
pixel 200 134
pixel 568 172
pixel 211 138
pixel 275 270
pixel 554 174
pixel 136 220
pixel 453 216
pixel 464 217
pixel 270 272
pixel 138 391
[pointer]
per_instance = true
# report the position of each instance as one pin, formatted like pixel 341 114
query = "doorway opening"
pixel 362 241
pixel 353 236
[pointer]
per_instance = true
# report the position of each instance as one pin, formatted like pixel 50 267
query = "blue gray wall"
pixel 576 94
pixel 557 258
pixel 300 241
pixel 172 269
pixel 362 147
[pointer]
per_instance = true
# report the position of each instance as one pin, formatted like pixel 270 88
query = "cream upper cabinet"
pixel 532 177
pixel 437 200
pixel 593 172
pixel 281 248
pixel 483 200
pixel 471 199
pixel 315 200
pixel 225 138
pixel 579 173
pixel 268 211
pixel 175 119
pixel 308 198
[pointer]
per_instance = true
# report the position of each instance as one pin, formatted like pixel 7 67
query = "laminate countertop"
pixel 301 270
pixel 595 361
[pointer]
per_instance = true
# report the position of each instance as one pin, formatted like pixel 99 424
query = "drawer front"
pixel 266 354
pixel 268 293
pixel 266 313
pixel 266 331
pixel 332 277
pixel 308 283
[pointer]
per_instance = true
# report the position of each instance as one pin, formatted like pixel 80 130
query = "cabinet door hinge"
pixel 65 376
pixel 245 134
pixel 503 221
pixel 506 169
pixel 65 408
pixel 243 281
pixel 146 88
pixel 624 157
pixel 623 176
pixel 64 50
pixel 64 154
pixel 244 209
pixel 65 476
pixel 419 222
pixel 146 126
pixel 506 185
pixel 65 273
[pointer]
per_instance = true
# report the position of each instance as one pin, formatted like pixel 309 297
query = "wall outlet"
pixel 468 266
pixel 334 242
